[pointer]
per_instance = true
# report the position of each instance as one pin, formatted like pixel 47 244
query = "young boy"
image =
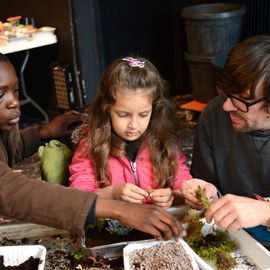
pixel 52 204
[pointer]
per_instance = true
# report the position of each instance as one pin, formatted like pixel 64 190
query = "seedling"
pixel 76 254
pixel 149 191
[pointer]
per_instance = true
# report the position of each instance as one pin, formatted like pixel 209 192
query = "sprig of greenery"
pixel 76 254
pixel 202 197
pixel 100 224
pixel 149 191
pixel 115 227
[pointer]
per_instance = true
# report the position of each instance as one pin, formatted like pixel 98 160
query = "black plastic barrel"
pixel 203 76
pixel 212 28
pixel 218 61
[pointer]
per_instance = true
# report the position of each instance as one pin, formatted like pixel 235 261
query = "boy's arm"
pixel 37 201
pixel 145 217
pixel 67 208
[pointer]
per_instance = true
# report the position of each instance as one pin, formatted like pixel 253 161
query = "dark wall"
pixel 117 28
pixel 92 33
pixel 150 29
pixel 37 72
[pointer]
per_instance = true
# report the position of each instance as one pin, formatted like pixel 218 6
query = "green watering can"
pixel 55 158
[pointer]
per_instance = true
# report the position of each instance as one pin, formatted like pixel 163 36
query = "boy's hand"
pixel 162 197
pixel 58 126
pixel 145 217
pixel 187 190
pixel 128 192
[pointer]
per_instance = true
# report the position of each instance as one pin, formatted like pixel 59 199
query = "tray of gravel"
pixel 250 255
pixel 159 255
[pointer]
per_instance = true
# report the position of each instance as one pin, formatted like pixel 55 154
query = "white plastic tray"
pixel 248 246
pixel 15 255
pixel 147 243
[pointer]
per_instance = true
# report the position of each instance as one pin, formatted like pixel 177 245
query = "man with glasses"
pixel 232 144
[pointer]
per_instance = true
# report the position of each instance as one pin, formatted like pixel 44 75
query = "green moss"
pixel 194 234
pixel 202 197
pixel 225 261
pixel 215 247
pixel 100 224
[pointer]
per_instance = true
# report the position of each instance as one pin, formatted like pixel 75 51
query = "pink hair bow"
pixel 133 62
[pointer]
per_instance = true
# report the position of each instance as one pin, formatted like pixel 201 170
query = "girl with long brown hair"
pixel 130 151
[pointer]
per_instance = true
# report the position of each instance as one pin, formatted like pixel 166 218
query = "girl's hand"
pixel 128 192
pixel 162 197
pixel 187 190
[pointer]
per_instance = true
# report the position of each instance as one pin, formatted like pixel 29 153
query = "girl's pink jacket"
pixel 82 171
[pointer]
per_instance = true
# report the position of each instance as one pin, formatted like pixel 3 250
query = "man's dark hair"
pixel 247 64
pixel 3 58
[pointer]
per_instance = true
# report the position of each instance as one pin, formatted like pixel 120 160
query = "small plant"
pixel 149 191
pixel 76 255
pixel 115 227
pixel 100 224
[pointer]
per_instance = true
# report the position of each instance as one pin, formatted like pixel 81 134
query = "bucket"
pixel 218 61
pixel 203 76
pixel 212 28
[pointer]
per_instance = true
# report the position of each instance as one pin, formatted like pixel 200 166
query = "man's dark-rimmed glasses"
pixel 238 103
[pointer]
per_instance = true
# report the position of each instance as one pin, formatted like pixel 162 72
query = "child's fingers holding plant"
pixel 129 192
pixel 162 197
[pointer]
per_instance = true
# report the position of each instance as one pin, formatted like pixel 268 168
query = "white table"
pixel 42 39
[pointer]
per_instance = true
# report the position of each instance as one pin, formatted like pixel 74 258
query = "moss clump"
pixel 202 197
pixel 100 224
pixel 224 261
pixel 215 247
pixel 194 234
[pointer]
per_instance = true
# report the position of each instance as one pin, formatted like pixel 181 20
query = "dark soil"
pixel 30 264
pixel 61 260
pixel 103 237
pixel 212 240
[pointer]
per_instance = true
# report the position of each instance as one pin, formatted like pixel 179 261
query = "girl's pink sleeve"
pixel 184 173
pixel 81 170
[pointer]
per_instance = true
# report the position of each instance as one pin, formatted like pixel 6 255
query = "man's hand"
pixel 162 197
pixel 58 126
pixel 144 217
pixel 187 190
pixel 235 212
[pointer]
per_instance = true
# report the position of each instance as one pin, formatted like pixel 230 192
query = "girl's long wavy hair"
pixel 160 136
